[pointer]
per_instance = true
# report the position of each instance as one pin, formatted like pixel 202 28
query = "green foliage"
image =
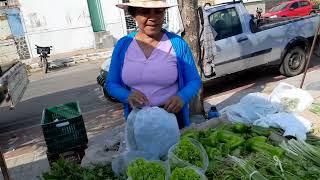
pixel 185 174
pixel 141 169
pixel 189 152
pixel 65 170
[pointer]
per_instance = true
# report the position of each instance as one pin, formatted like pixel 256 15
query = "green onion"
pixel 303 149
pixel 247 169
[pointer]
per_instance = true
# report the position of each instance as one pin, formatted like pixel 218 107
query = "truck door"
pixel 233 45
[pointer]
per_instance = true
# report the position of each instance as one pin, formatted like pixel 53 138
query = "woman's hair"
pixel 132 10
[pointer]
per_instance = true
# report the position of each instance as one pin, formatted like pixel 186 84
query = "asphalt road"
pixel 76 83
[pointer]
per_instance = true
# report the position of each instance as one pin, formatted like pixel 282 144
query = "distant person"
pixel 153 67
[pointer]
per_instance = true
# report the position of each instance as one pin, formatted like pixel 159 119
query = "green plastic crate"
pixel 63 127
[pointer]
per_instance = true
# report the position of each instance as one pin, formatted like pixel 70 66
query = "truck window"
pixel 226 23
pixel 294 5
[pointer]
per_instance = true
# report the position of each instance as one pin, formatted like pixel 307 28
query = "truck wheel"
pixel 293 62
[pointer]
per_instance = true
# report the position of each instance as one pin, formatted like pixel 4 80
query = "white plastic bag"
pixel 250 108
pixel 152 130
pixel 292 124
pixel 290 99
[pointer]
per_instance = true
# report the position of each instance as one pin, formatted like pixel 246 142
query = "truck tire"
pixel 312 13
pixel 293 62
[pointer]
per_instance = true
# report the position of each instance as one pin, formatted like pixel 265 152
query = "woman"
pixel 153 67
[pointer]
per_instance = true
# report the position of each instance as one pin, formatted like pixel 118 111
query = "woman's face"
pixel 150 20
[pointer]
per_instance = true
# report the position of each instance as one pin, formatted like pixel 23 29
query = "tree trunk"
pixel 189 14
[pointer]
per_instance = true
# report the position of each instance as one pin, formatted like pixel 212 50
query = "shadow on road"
pixel 21 131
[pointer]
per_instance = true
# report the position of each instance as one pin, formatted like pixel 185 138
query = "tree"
pixel 189 15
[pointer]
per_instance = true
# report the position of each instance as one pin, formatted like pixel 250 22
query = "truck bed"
pixel 13 84
pixel 268 23
pixel 4 67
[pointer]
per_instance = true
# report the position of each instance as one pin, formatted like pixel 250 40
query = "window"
pixel 279 7
pixel 226 23
pixel 294 5
pixel 304 3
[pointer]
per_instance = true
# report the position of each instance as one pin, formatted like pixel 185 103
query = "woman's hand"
pixel 137 99
pixel 174 104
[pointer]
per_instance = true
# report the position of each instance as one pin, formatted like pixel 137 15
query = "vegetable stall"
pixel 227 151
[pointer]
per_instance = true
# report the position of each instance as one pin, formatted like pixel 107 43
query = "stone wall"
pixel 22 48
pixel 8 51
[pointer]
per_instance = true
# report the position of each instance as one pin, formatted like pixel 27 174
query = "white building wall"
pixel 251 5
pixel 65 25
pixel 114 18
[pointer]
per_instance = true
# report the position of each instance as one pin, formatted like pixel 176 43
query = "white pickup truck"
pixel 13 83
pixel 242 42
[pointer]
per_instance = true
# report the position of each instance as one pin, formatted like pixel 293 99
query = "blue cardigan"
pixel 188 76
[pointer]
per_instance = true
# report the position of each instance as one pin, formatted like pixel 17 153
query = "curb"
pixel 69 61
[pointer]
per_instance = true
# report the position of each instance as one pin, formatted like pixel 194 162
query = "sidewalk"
pixel 69 59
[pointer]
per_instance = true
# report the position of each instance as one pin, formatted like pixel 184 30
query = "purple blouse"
pixel 157 76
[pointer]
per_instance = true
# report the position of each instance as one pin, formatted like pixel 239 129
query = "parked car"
pixel 243 42
pixel 291 8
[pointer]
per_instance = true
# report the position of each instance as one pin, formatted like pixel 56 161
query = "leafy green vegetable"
pixel 240 128
pixel 212 152
pixel 303 149
pixel 247 170
pixel 66 170
pixel 232 140
pixel 261 131
pixel 289 104
pixel 185 174
pixel 189 152
pixel 259 144
pixel 315 108
pixel 141 169
pixel 210 140
pixel 191 134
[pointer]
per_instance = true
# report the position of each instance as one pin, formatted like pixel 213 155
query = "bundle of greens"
pixel 189 152
pixel 315 108
pixel 301 149
pixel 141 169
pixel 66 170
pixel 272 167
pixel 185 174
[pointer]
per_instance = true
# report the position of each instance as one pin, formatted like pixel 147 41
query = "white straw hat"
pixel 145 4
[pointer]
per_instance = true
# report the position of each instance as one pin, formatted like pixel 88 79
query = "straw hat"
pixel 145 4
